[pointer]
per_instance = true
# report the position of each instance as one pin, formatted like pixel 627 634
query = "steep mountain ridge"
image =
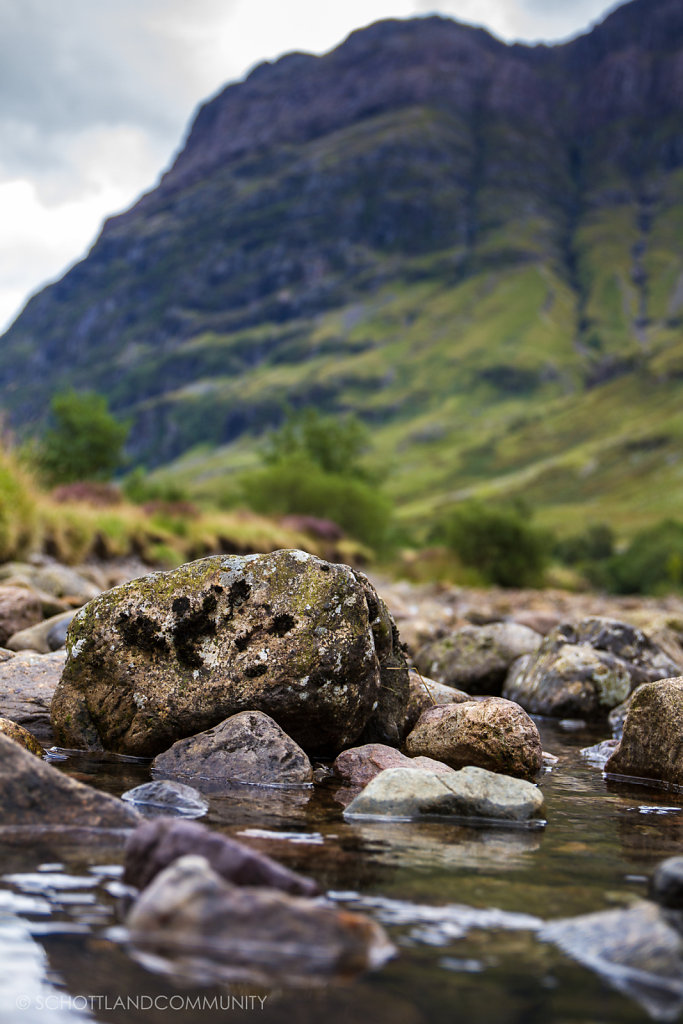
pixel 468 243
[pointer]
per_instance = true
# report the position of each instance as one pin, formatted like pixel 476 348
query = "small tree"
pixel 312 466
pixel 335 445
pixel 85 442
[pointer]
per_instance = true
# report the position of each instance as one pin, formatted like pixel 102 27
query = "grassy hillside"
pixel 476 248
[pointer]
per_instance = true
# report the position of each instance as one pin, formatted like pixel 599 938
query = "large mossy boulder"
pixel 172 654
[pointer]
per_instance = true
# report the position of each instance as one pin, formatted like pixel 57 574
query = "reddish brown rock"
pixel 156 844
pixel 495 734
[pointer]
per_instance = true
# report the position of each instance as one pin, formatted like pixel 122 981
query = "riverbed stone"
pixel 53 578
pixel 470 793
pixel 586 668
pixel 172 654
pixel 425 693
pixel 637 950
pixel 190 910
pixel 41 637
pixel 27 685
pixel 248 747
pixel 22 736
pixel 477 658
pixel 666 884
pixel 358 765
pixel 652 744
pixel 19 608
pixel 493 733
pixel 168 796
pixel 156 844
pixel 34 793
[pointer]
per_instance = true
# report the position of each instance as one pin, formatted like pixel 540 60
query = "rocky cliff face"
pixel 424 215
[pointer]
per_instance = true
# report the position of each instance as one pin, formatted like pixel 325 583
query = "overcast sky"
pixel 97 95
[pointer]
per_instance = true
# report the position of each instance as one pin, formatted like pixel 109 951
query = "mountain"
pixel 477 247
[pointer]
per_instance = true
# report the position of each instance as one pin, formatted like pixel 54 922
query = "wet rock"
pixel 33 793
pixel 494 733
pixel 617 715
pixel 586 668
pixel 653 732
pixel 156 844
pixel 19 608
pixel 600 753
pixel 666 885
pixel 38 637
pixel 636 950
pixel 358 765
pixel 170 797
pixel 27 684
pixel 425 693
pixel 470 793
pixel 248 747
pixel 22 736
pixel 191 911
pixel 477 658
pixel 173 654
pixel 56 636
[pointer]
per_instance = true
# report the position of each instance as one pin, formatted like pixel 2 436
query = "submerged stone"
pixel 156 844
pixel 170 797
pixel 190 911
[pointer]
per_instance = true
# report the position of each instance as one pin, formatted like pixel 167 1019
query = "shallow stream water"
pixel 463 905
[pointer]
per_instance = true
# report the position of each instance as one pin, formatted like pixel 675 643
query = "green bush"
pixel 297 485
pixel 652 563
pixel 498 542
pixel 595 544
pixel 335 445
pixel 84 442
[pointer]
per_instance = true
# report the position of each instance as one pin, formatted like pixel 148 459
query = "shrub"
pixel 500 543
pixel 335 445
pixel 85 442
pixel 297 485
pixel 652 563
pixel 593 545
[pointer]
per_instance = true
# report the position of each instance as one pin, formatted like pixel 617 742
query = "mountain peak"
pixel 463 241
